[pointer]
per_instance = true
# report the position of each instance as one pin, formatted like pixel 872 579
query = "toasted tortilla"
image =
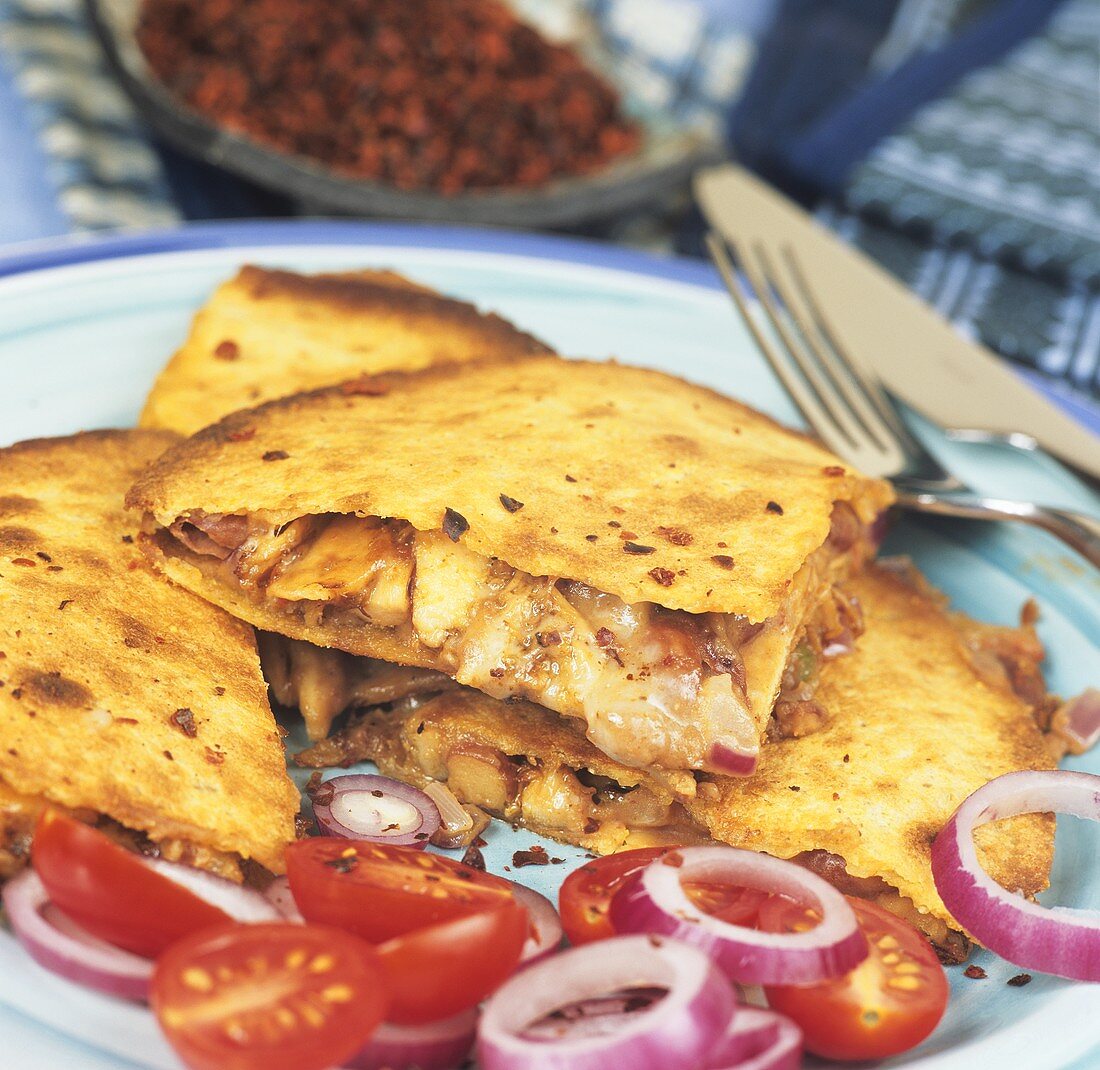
pixel 265 334
pixel 121 693
pixel 725 504
pixel 916 729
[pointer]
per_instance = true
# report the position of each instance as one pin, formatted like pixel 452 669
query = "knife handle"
pixel 1076 530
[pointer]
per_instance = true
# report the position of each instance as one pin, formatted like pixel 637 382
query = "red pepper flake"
pixel 227 350
pixel 548 638
pixel 496 673
pixel 1019 980
pixel 276 455
pixel 242 434
pixel 638 548
pixel 847 759
pixel 455 525
pixel 43 556
pixel 975 973
pixel 774 507
pixel 214 757
pixel 17 692
pixel 723 561
pixel 628 534
pixel 54 568
pixel 184 720
pixel 664 576
pixel 833 470
pixel 474 858
pixel 128 539
pixel 168 755
pixel 592 538
pixel 219 690
pixel 570 479
pixel 24 562
pixel 65 602
pixel 794 787
pixel 510 504
pixel 614 524
pixel 369 386
pixel 676 536
pixel 536 856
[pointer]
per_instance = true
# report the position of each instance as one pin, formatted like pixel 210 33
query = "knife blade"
pixel 918 355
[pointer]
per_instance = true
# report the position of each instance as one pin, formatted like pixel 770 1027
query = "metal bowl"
pixel 661 166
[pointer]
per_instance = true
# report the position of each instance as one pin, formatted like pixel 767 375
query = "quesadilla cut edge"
pixel 917 728
pixel 125 700
pixel 696 600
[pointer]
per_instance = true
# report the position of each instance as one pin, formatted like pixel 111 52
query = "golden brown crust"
pixel 267 333
pixel 915 730
pixel 121 693
pixel 627 455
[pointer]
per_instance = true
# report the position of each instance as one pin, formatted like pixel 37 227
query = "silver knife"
pixel 920 357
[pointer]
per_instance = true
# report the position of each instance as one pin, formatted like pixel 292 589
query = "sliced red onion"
pixel 437 1046
pixel 781 1050
pixel 731 761
pixel 360 806
pixel 654 901
pixel 240 903
pixel 1078 721
pixel 547 931
pixel 672 1033
pixel 751 1031
pixel 57 943
pixel 1054 940
pixel 279 895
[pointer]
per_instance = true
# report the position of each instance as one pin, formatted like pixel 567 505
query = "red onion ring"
pixel 765 1049
pixel 279 895
pixel 375 808
pixel 1054 940
pixel 547 931
pixel 751 1031
pixel 654 901
pixel 58 944
pixel 733 762
pixel 437 1046
pixel 674 1033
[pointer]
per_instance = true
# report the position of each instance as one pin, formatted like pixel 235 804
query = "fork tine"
pixel 806 356
pixel 727 261
pixel 860 388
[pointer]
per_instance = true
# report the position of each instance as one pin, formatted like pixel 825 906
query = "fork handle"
pixel 1077 530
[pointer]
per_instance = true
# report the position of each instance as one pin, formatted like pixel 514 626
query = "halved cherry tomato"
pixel 586 894
pixel 275 996
pixel 886 1005
pixel 440 970
pixel 379 891
pixel 109 892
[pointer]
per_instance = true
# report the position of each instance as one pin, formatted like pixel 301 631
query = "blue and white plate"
pixel 85 328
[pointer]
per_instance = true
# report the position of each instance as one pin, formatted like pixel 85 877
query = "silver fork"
pixel 848 407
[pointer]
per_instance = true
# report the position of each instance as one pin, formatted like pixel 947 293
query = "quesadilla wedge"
pixel 919 723
pixel 124 699
pixel 265 334
pixel 620 546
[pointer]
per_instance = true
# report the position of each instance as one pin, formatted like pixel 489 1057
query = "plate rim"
pixel 22 258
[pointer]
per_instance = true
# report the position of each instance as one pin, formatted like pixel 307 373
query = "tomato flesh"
pixel 585 897
pixel 274 996
pixel 380 891
pixel 441 970
pixel 886 1005
pixel 109 892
